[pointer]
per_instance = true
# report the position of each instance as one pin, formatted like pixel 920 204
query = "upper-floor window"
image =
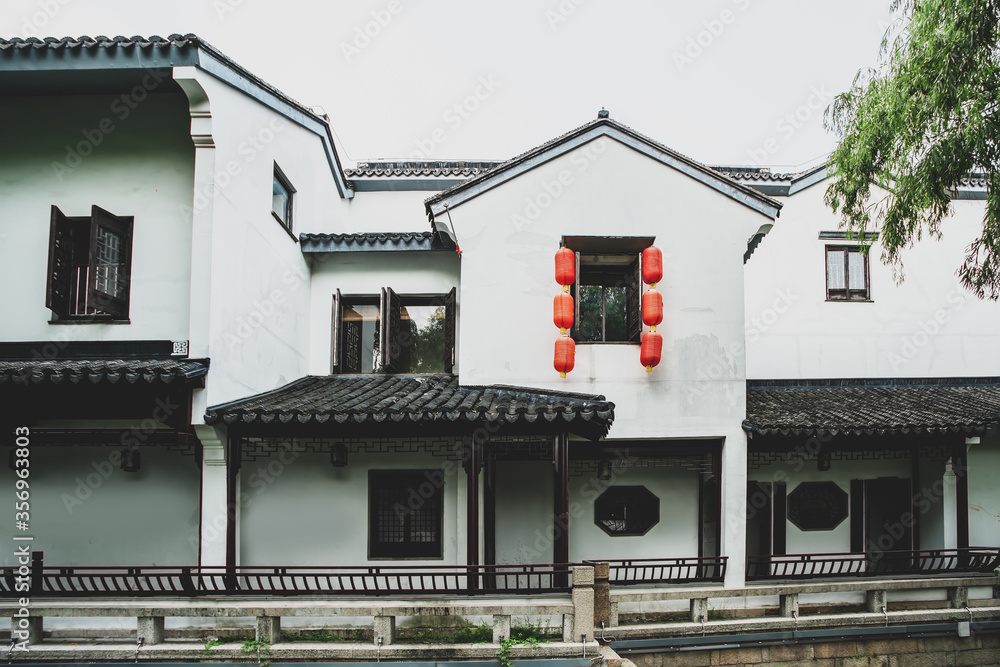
pixel 90 263
pixel 846 274
pixel 281 198
pixel 608 288
pixel 390 333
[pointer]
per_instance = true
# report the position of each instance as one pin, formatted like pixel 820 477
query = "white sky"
pixel 556 62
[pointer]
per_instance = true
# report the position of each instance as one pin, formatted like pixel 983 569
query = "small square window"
pixel 846 274
pixel 281 198
pixel 405 513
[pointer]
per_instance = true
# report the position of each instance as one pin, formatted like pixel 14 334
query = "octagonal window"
pixel 817 505
pixel 626 510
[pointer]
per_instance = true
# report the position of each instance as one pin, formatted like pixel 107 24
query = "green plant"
pixel 473 634
pixel 504 653
pixel 210 644
pixel 260 648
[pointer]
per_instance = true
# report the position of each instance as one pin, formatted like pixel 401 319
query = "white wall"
pixel 508 285
pixel 401 211
pixel 524 512
pixel 143 167
pixel 86 511
pixel 927 326
pixel 297 509
pixel 984 493
pixel 259 282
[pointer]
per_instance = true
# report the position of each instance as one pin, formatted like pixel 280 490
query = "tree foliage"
pixel 919 123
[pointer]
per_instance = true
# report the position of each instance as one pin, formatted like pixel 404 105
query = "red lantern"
pixel 565 268
pixel 652 266
pixel 565 355
pixel 652 344
pixel 562 311
pixel 652 309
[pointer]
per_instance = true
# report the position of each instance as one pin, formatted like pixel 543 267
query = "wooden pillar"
pixel 489 510
pixel 560 460
pixel 914 491
pixel 233 462
pixel 471 457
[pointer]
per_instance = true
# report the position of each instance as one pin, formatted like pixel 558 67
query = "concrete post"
pixel 149 629
pixel 568 627
pixel 269 629
pixel 699 610
pixel 613 615
pixel 501 628
pixel 949 507
pixel 958 597
pixel 602 594
pixel 583 602
pixel 214 511
pixel 789 605
pixel 32 625
pixel 875 601
pixel 385 627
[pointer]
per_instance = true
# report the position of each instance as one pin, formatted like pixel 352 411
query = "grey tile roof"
pixel 421 168
pixel 427 400
pixel 370 241
pixel 872 407
pixel 96 371
pixel 85 42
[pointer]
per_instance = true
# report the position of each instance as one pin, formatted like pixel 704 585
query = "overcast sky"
pixel 723 81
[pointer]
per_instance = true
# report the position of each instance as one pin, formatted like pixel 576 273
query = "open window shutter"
pixel 575 291
pixel 633 292
pixel 110 262
pixel 338 316
pixel 391 350
pixel 449 331
pixel 857 516
pixel 779 526
pixel 60 273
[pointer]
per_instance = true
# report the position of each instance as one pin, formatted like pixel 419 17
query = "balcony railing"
pixel 874 564
pixel 154 580
pixel 642 571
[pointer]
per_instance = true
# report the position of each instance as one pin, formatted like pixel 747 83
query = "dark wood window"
pixel 405 513
pixel 390 333
pixel 846 274
pixel 281 198
pixel 608 288
pixel 626 510
pixel 90 264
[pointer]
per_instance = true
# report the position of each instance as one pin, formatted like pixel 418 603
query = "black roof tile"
pixel 421 399
pixel 421 168
pixel 96 371
pixel 872 407
pixel 389 241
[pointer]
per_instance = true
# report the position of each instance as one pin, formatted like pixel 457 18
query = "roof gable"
pixel 602 127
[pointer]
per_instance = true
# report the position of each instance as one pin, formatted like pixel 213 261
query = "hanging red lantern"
pixel 652 266
pixel 562 311
pixel 565 355
pixel 565 268
pixel 652 345
pixel 652 309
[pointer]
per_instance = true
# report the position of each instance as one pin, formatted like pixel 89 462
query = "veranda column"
pixel 560 513
pixel 209 545
pixel 734 509
pixel 471 458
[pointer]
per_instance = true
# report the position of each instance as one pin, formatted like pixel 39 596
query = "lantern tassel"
pixel 562 374
pixel 649 369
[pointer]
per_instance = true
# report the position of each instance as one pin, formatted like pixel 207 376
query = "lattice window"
pixel 405 513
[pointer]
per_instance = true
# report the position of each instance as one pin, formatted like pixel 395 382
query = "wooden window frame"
pixel 848 293
pixel 73 240
pixel 282 180
pixel 412 484
pixel 629 267
pixel 390 305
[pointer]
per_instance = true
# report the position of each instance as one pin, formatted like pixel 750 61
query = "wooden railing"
pixel 641 571
pixel 874 564
pixel 153 580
